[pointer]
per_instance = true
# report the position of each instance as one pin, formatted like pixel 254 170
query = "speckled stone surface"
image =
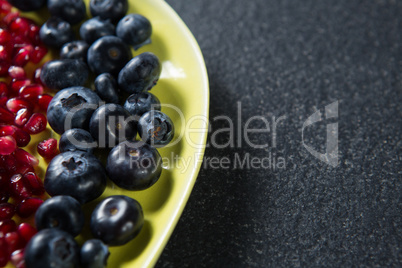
pixel 291 58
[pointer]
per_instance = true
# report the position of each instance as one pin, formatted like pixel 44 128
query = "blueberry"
pixel 27 5
pixel 77 139
pixel 156 128
pixel 75 173
pixel 139 103
pixel 106 87
pixel 94 254
pixel 116 220
pixel 95 28
pixel 72 108
pixel 62 212
pixel 51 248
pixel 111 124
pixel 134 165
pixel 134 29
pixel 109 9
pixel 55 32
pixel 72 11
pixel 59 74
pixel 75 50
pixel 108 54
pixel 140 74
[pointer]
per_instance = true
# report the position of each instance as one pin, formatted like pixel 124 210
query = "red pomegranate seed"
pixel 16 85
pixel 7 211
pixel 10 163
pixel 43 101
pixel 34 182
pixel 23 157
pixel 5 36
pixel 26 231
pixel 22 56
pixel 6 130
pixel 17 72
pixel 36 124
pixel 16 104
pixel 38 53
pixel 21 137
pixel 3 101
pixel 5 7
pixel 6 116
pixel 23 169
pixel 4 65
pixel 3 89
pixel 18 188
pixel 31 92
pixel 14 241
pixel 10 17
pixel 6 52
pixel 7 226
pixel 48 148
pixel 17 258
pixel 20 26
pixel 7 145
pixel 33 34
pixel 4 255
pixel 22 117
pixel 36 76
pixel 28 206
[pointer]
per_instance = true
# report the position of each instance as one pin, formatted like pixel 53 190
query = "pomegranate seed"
pixel 24 157
pixel 43 101
pixel 10 17
pixel 3 89
pixel 19 42
pixel 48 148
pixel 34 182
pixel 38 53
pixel 6 130
pixel 18 188
pixel 36 76
pixel 6 52
pixel 20 26
pixel 36 124
pixel 7 226
pixel 21 137
pixel 7 145
pixel 28 206
pixel 22 57
pixel 4 255
pixel 4 65
pixel 17 72
pixel 5 36
pixel 15 104
pixel 16 85
pixel 31 92
pixel 22 117
pixel 4 177
pixel 6 116
pixel 17 258
pixel 33 34
pixel 26 231
pixel 7 211
pixel 3 101
pixel 10 163
pixel 5 7
pixel 14 241
pixel 23 169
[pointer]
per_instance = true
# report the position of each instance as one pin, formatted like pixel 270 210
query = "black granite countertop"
pixel 301 202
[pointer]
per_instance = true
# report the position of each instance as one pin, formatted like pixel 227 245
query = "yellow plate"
pixel 183 88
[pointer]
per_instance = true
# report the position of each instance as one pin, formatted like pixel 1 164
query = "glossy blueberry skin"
pixel 75 173
pixel 72 11
pixel 140 74
pixel 59 74
pixel 77 139
pixel 95 28
pixel 116 220
pixel 109 9
pixel 51 248
pixel 55 32
pixel 83 100
pixel 106 87
pixel 94 254
pixel 108 54
pixel 27 5
pixel 134 29
pixel 75 50
pixel 139 103
pixel 134 165
pixel 62 212
pixel 156 128
pixel 108 128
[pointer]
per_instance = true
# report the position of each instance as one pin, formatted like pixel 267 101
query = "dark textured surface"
pixel 290 58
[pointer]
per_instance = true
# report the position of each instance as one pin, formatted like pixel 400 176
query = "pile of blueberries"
pixel 90 121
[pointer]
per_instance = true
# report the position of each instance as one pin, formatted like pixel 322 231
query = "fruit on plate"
pixel 106 87
pixel 56 32
pixel 134 165
pixel 72 108
pixel 77 139
pixel 156 128
pixel 51 248
pixel 72 11
pixel 134 29
pixel 75 173
pixel 108 9
pixel 116 220
pixel 140 74
pixel 95 28
pixel 94 254
pixel 138 104
pixel 77 49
